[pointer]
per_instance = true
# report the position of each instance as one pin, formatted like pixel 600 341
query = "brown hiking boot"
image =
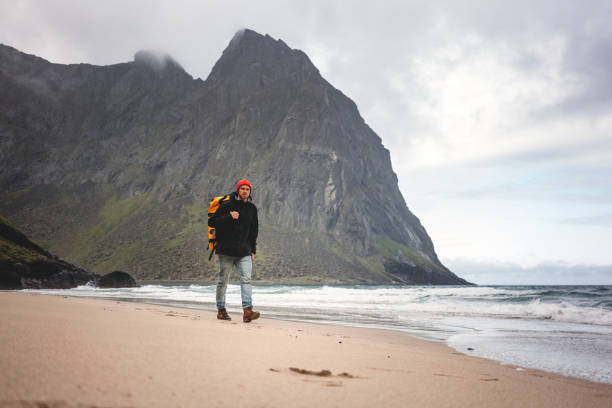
pixel 222 315
pixel 249 315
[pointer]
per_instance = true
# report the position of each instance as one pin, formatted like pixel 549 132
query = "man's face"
pixel 244 192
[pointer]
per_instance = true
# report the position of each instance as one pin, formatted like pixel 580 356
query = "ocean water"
pixel 562 329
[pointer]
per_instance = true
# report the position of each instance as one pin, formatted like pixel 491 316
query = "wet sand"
pixel 75 352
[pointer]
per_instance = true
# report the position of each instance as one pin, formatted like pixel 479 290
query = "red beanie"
pixel 244 182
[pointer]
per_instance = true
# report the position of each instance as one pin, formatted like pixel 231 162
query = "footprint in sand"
pixel 321 373
pixel 447 375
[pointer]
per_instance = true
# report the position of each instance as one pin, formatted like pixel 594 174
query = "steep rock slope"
pixel 113 167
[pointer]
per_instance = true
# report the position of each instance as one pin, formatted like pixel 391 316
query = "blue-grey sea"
pixel 562 329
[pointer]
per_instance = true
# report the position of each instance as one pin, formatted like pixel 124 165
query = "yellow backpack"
pixel 214 205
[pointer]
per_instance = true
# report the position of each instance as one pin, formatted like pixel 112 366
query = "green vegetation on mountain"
pixel 16 247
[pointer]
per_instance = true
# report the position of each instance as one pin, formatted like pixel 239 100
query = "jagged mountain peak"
pixel 253 56
pixel 245 38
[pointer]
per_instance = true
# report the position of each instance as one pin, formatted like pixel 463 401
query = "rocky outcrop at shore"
pixel 117 279
pixel 25 265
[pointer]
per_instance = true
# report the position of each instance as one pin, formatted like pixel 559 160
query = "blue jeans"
pixel 245 266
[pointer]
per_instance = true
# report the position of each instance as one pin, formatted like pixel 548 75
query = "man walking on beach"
pixel 236 228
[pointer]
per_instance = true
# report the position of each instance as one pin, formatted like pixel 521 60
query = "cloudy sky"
pixel 498 114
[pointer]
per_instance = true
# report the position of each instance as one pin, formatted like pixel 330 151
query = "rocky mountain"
pixel 112 167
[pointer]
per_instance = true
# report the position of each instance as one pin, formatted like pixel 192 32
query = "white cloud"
pixel 479 104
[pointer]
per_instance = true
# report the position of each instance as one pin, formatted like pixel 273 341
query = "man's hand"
pixel 234 214
pixel 252 257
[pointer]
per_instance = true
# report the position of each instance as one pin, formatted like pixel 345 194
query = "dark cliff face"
pixel 124 159
pixel 64 124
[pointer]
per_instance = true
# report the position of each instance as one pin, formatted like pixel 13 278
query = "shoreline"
pixel 525 356
pixel 113 353
pixel 586 350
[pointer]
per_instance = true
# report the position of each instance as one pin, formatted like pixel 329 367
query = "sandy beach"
pixel 73 352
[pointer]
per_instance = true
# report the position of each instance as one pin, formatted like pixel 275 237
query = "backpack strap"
pixel 213 250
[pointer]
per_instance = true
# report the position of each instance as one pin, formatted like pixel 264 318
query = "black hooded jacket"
pixel 236 237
